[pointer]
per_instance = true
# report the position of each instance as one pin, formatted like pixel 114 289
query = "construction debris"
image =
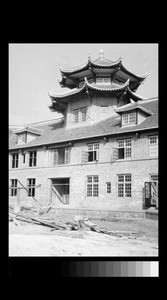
pixel 80 223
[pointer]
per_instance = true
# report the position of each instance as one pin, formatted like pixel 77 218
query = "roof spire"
pixel 101 53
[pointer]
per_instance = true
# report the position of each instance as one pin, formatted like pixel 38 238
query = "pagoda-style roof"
pixel 99 67
pixel 59 101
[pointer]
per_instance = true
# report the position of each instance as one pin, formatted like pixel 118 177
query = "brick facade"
pixel 140 165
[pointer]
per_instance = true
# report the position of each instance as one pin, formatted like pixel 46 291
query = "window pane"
pixel 121 144
pixel 96 146
pixel 95 190
pixel 127 177
pixel 120 178
pixel 132 118
pixel 104 110
pixel 127 189
pixel 89 179
pixel 154 177
pixel 95 178
pixel 108 187
pixel 127 152
pixel 83 113
pixel 127 143
pixel 120 189
pixel 153 139
pixel 89 190
pixel 120 153
pixel 76 115
pixel 90 147
pixel 125 119
pixel 153 150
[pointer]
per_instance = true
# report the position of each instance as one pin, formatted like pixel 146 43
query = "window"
pixel 15 160
pixel 31 188
pixel 32 158
pixel 104 110
pixel 129 118
pixel 103 80
pixel 154 177
pixel 80 115
pixel 153 146
pixel 61 156
pixel 83 114
pixel 93 152
pixel 124 185
pixel 76 115
pixel 92 186
pixel 108 185
pixel 22 138
pixel 124 149
pixel 13 187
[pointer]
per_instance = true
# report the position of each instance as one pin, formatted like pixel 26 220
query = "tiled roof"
pixel 30 130
pixel 132 106
pixel 113 87
pixel 58 133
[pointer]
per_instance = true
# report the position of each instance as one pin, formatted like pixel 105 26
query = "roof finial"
pixel 88 56
pixel 101 53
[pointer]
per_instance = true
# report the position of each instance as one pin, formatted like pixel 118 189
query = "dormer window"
pixel 128 119
pixel 22 138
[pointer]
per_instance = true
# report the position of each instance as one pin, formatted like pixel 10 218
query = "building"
pixel 100 154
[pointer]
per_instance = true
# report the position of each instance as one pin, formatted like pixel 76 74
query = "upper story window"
pixel 103 79
pixel 124 149
pixel 153 146
pixel 129 118
pixel 32 158
pixel 80 115
pixel 15 160
pixel 83 114
pixel 22 138
pixel 76 115
pixel 104 110
pixel 93 152
pixel 61 156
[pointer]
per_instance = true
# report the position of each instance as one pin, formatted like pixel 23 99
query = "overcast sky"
pixel 34 70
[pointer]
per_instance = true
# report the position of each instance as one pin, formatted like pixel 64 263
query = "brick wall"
pixel 139 166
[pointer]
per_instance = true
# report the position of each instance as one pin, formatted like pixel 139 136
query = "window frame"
pixel 125 149
pixel 124 186
pixel 30 187
pixel 153 147
pixel 66 156
pixel 108 187
pixel 102 112
pixel 128 116
pixel 13 192
pixel 33 158
pixel 94 151
pixel 15 160
pixel 92 186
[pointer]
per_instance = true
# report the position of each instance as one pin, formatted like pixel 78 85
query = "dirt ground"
pixel 37 240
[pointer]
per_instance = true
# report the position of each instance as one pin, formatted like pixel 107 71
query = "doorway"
pixel 60 190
